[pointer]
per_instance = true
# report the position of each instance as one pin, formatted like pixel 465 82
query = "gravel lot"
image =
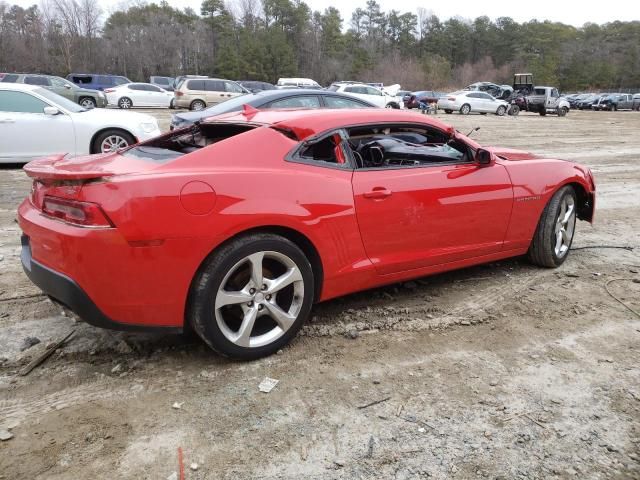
pixel 498 371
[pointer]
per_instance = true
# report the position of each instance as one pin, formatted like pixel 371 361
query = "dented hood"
pixel 511 154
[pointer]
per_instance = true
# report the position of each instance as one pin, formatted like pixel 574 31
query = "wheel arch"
pixel 298 238
pixel 92 150
pixel 585 199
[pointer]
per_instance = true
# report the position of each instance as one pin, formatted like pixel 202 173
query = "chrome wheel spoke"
pixel 291 275
pixel 282 318
pixel 224 298
pixel 243 335
pixel 256 269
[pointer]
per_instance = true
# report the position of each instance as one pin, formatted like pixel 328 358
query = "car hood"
pixel 115 116
pixel 193 116
pixel 511 154
pixel 87 91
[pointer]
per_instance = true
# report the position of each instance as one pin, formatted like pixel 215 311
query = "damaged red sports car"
pixel 237 225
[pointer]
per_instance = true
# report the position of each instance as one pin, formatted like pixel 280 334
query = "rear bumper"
pixel 66 291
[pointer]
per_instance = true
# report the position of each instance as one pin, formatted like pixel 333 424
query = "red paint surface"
pixel 369 227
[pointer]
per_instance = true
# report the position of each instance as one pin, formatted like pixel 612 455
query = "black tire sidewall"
pixel 202 307
pixel 120 103
pixel 553 215
pixel 197 102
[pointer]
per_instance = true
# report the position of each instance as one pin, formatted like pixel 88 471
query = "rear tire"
pixel 197 105
pixel 125 103
pixel 465 109
pixel 553 237
pixel 113 138
pixel 514 111
pixel 233 312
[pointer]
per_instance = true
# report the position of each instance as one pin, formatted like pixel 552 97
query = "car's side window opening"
pixel 326 150
pixel 394 146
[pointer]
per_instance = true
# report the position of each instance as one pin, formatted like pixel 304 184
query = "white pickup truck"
pixel 547 100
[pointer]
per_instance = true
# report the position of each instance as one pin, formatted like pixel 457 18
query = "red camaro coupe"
pixel 237 225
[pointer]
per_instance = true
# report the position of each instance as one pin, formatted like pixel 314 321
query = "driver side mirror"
pixel 483 157
pixel 51 111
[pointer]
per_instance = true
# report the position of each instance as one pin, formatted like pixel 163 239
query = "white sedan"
pixel 368 93
pixel 466 102
pixel 36 122
pixel 139 95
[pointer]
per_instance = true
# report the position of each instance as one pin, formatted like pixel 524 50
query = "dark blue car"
pixel 97 81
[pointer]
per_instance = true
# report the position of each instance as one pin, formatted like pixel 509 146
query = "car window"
pixel 136 86
pixel 214 86
pixel 152 88
pixel 20 102
pixel 195 84
pixel 307 101
pixel 474 95
pixel 323 152
pixel 37 80
pixel 119 80
pixel 340 102
pixel 486 96
pixel 10 78
pixel 391 147
pixel 373 91
pixel 554 93
pixel 82 79
pixel 59 82
pixel 232 87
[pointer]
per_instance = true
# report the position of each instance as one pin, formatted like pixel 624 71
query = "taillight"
pixel 85 214
pixel 109 90
pixel 178 93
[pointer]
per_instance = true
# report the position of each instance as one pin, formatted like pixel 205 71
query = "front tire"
pixel 562 112
pixel 465 109
pixel 125 103
pixel 501 111
pixel 87 102
pixel 553 237
pixel 252 296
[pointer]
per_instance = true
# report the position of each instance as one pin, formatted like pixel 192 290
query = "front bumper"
pixel 66 291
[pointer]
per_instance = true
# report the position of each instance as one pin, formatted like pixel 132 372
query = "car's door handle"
pixel 7 120
pixel 378 193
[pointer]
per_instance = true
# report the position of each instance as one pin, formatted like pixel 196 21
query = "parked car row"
pixel 605 101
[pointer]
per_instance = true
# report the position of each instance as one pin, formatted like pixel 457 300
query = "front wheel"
pixel 514 110
pixel 465 109
pixel 87 102
pixel 501 110
pixel 562 112
pixel 252 296
pixel 554 234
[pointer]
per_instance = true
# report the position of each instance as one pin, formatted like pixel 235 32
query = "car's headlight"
pixel 149 127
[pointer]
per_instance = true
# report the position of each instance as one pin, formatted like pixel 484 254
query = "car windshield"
pixel 60 101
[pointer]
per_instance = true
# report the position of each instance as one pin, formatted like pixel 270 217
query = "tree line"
pixel 268 39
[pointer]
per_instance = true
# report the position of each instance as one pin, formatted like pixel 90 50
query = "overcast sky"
pixel 573 13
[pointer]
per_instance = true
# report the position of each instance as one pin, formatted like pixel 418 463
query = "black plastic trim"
pixel 66 291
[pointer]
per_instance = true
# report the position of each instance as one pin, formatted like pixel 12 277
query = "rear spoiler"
pixel 53 168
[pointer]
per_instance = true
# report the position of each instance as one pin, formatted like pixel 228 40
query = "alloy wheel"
pixel 565 226
pixel 113 143
pixel 259 299
pixel 125 103
pixel 87 103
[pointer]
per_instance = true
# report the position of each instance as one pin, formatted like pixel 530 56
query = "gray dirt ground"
pixel 498 371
